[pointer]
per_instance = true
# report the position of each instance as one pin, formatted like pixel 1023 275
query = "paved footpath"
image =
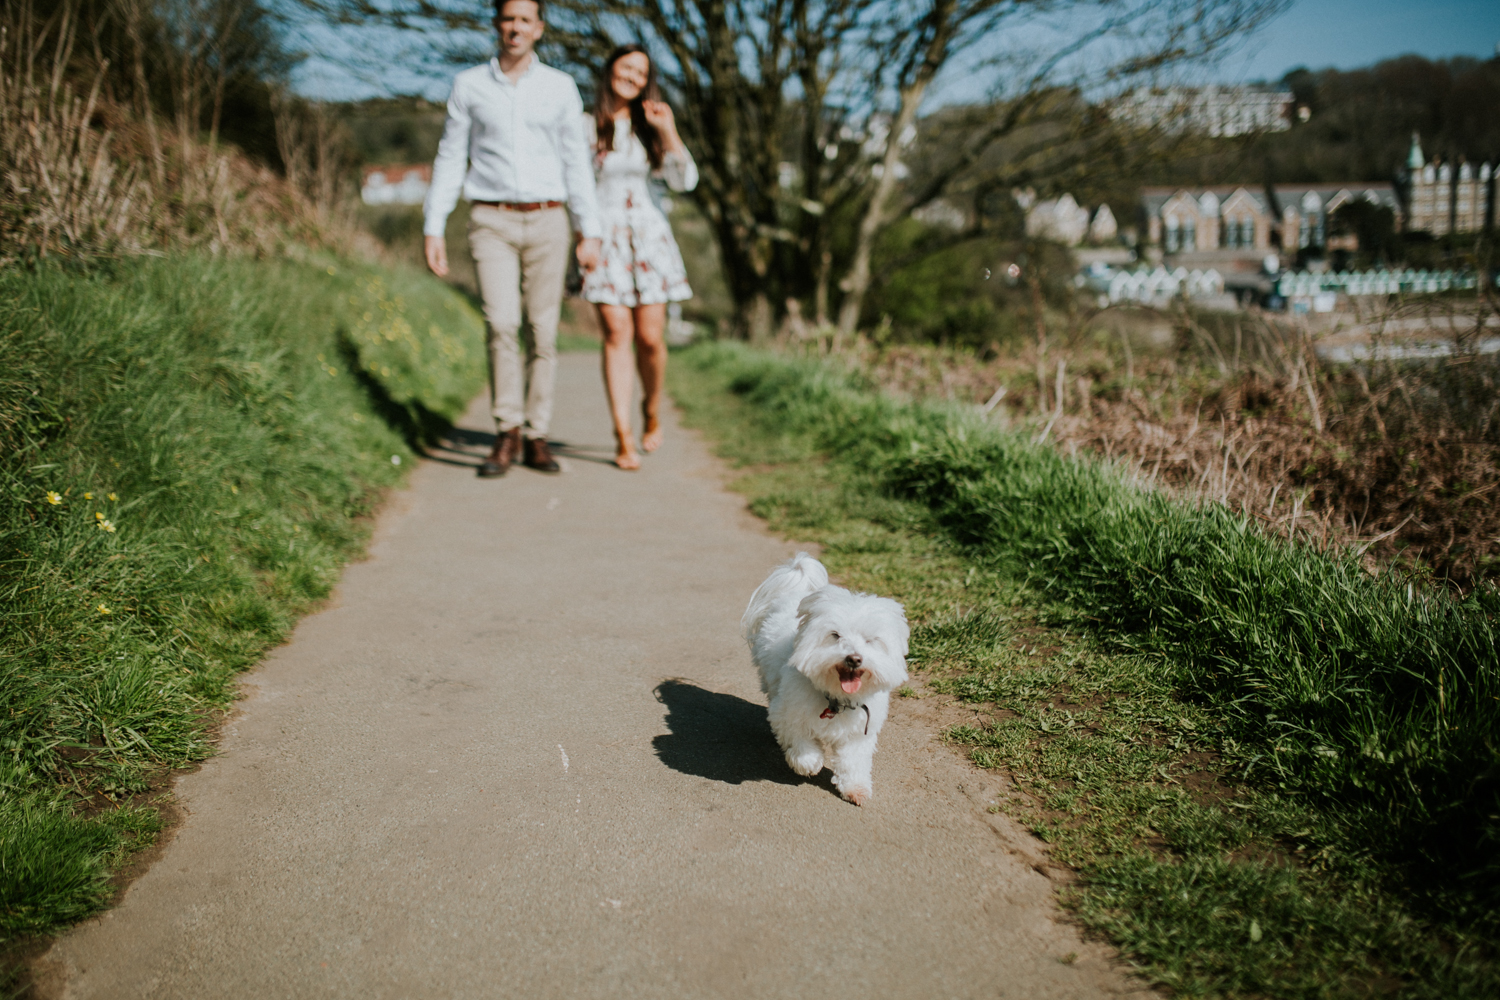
pixel 522 754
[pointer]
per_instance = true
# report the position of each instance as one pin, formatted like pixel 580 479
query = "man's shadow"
pixel 721 737
pixel 465 447
pixel 461 447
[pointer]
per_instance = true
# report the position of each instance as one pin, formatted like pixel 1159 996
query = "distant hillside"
pixel 1360 126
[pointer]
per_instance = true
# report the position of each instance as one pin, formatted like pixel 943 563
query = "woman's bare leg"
pixel 651 363
pixel 619 379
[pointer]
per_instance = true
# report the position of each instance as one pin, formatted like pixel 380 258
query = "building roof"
pixel 1153 198
pixel 395 173
pixel 1381 193
pixel 1287 195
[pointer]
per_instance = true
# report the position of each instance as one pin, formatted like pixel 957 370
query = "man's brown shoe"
pixel 507 449
pixel 539 458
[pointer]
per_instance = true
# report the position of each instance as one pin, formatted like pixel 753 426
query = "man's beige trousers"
pixel 522 258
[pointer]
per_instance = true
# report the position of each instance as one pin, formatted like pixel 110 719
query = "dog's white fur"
pixel 812 641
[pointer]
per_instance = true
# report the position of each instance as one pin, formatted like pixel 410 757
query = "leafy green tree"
pixel 1373 226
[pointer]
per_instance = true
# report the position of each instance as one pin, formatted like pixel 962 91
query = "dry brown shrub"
pixel 1399 460
pixel 82 174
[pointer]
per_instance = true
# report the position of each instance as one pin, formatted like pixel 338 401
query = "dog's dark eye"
pixel 833 635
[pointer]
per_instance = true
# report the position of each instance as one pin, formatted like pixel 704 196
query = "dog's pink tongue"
pixel 850 684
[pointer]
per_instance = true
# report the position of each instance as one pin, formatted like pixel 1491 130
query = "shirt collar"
pixel 499 74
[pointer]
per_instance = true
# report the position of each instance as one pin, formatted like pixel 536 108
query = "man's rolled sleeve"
pixel 578 168
pixel 449 168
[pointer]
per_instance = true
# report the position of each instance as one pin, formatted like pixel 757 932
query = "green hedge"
pixel 187 450
pixel 1370 694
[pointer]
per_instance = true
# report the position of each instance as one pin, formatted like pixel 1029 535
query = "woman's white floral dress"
pixel 639 263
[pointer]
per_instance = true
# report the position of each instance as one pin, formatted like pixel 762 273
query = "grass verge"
pixel 188 448
pixel 1269 767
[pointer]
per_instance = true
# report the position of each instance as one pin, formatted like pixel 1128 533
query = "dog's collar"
pixel 835 707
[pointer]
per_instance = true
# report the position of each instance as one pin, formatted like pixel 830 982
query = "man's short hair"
pixel 500 8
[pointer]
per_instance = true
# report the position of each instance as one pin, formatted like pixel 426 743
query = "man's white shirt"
pixel 516 141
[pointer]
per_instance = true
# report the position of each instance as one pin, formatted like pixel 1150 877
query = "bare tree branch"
pixel 804 113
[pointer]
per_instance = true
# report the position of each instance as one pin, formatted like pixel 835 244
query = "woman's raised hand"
pixel 659 116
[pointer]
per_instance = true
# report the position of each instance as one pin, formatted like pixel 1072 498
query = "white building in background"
pixel 396 185
pixel 1064 220
pixel 1156 286
pixel 942 214
pixel 1215 111
pixel 1442 200
pixel 1103 228
pixel 1061 219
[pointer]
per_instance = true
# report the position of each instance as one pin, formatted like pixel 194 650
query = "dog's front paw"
pixel 854 787
pixel 859 796
pixel 806 761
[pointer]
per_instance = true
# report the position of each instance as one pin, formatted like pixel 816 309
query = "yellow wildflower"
pixel 98 515
pixel 88 496
pixel 107 526
pixel 54 497
pixel 104 610
pixel 113 497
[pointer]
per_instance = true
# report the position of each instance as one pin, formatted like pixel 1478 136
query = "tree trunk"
pixel 820 295
pixel 759 320
pixel 944 18
pixel 857 283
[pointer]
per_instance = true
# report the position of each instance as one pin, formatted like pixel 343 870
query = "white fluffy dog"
pixel 828 661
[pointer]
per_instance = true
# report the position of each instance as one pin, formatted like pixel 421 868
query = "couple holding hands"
pixel 519 146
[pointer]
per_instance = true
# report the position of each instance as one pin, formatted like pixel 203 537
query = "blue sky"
pixel 1348 33
pixel 1312 33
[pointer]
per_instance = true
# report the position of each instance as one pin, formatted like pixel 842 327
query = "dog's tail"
pixel 787 584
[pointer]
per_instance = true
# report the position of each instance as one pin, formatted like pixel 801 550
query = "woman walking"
pixel 640 268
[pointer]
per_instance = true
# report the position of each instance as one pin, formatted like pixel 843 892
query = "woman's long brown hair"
pixel 606 103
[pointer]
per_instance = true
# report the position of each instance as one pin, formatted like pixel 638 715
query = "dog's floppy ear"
pixel 809 631
pixel 807 607
pixel 817 603
pixel 895 624
pixel 800 574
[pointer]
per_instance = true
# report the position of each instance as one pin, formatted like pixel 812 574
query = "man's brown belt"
pixel 520 206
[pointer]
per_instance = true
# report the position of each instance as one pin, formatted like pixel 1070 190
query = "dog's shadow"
pixel 722 738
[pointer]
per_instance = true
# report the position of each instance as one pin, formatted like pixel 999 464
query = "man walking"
pixel 518 128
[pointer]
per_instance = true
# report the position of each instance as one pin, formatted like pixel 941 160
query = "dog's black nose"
pixel 853 660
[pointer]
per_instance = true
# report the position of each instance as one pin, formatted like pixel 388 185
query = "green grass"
pixel 189 449
pixel 419 342
pixel 1268 767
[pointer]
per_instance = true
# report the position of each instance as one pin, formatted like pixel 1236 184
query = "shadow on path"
pixel 463 438
pixel 461 447
pixel 601 454
pixel 466 448
pixel 418 425
pixel 721 737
